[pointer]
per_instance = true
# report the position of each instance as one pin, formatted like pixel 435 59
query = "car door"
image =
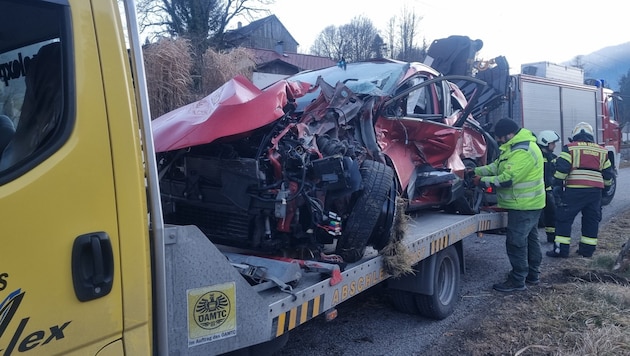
pixel 60 285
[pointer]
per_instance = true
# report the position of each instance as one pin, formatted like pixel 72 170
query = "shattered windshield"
pixel 365 78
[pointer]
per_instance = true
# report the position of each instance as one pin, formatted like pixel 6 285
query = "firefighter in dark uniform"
pixel 583 172
pixel 547 140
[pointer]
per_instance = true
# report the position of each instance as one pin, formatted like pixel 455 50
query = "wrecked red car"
pixel 321 158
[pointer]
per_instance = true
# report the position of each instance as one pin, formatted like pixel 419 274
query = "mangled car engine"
pixel 292 184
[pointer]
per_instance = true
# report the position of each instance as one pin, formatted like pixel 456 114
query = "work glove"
pixel 469 173
pixel 478 182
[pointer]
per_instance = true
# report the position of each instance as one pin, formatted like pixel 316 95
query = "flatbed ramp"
pixel 216 310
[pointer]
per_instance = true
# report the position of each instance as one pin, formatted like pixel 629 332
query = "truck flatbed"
pixel 205 294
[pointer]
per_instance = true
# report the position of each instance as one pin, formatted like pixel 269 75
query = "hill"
pixel 609 63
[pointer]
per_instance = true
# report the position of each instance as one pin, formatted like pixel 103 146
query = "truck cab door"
pixel 60 282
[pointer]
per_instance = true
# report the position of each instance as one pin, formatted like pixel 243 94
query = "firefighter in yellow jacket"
pixel 583 172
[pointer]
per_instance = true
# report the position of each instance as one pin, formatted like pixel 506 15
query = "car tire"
pixel 377 181
pixel 382 232
pixel 446 285
pixel 470 202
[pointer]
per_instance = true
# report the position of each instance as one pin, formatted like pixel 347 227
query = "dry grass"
pixel 219 67
pixel 396 258
pixel 581 308
pixel 168 63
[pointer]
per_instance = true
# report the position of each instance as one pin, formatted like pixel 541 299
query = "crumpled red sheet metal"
pixel 236 107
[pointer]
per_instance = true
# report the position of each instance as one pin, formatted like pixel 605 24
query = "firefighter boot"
pixel 551 237
pixel 559 250
pixel 585 250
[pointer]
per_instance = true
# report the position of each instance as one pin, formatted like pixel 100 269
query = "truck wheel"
pixel 608 196
pixel 446 287
pixel 377 180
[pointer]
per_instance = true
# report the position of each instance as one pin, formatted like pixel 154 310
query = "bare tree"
pixel 355 41
pixel 408 32
pixel 360 36
pixel 402 35
pixel 330 43
pixel 195 20
pixel 202 22
pixel 390 35
pixel 578 61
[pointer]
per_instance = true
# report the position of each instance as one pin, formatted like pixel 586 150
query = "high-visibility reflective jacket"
pixel 517 174
pixel 584 164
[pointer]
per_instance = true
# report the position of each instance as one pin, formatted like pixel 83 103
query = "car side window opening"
pixel 439 93
pixel 451 104
pixel 418 103
pixel 31 85
pixel 425 102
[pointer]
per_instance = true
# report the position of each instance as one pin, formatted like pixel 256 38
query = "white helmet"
pixel 582 127
pixel 546 137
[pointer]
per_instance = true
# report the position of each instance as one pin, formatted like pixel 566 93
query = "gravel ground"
pixel 369 325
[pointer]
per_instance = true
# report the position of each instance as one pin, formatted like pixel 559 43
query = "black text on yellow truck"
pixel 88 265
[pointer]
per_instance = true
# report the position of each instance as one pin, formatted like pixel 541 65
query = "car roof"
pixel 375 77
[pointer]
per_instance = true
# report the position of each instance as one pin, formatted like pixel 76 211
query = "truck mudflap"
pixel 214 309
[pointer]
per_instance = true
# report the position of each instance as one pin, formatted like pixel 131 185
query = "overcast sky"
pixel 522 31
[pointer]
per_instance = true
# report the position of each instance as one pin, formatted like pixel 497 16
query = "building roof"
pixel 247 30
pixel 298 60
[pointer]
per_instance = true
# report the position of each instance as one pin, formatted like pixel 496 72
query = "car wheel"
pixel 383 230
pixel 446 282
pixel 470 202
pixel 377 181
pixel 610 194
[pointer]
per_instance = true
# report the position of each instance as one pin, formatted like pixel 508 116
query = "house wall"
pixel 268 35
pixel 277 67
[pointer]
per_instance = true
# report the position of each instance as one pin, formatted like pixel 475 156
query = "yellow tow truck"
pixel 88 266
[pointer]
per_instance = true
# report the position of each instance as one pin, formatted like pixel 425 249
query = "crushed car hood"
pixel 236 107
